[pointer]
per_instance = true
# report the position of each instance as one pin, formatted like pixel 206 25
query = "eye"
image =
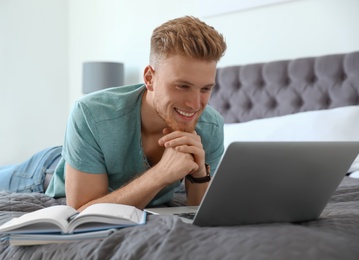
pixel 184 87
pixel 206 89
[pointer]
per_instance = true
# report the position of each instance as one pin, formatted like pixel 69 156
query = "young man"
pixel 135 144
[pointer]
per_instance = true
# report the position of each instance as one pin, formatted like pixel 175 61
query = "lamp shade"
pixel 101 75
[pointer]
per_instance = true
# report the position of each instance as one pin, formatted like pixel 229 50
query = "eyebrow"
pixel 189 83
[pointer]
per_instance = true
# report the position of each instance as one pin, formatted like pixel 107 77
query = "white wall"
pixel 44 43
pixel 33 76
pixel 120 31
pixel 117 30
pixel 294 29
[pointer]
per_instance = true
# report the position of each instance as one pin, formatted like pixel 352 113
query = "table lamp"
pixel 101 75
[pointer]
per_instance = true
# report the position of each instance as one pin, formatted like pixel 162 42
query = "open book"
pixel 64 219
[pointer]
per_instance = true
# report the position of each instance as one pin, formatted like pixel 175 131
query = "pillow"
pixel 337 124
pixel 355 174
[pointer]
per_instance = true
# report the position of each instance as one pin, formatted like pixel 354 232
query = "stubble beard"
pixel 171 123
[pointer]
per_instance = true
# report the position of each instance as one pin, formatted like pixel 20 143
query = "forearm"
pixel 195 192
pixel 139 192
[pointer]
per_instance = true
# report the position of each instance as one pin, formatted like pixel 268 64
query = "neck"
pixel 151 123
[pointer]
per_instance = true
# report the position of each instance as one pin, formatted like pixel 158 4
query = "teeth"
pixel 184 113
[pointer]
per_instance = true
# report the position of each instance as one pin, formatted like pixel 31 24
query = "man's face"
pixel 181 89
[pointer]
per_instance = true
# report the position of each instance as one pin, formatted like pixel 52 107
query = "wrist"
pixel 200 179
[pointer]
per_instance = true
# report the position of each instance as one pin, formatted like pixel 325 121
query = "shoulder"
pixel 210 124
pixel 210 116
pixel 112 102
pixel 210 128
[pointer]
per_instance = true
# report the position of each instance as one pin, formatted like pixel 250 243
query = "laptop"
pixel 267 182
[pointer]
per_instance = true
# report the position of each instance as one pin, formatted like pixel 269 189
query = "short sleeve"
pixel 82 145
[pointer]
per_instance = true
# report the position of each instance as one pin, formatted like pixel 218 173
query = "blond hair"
pixel 186 36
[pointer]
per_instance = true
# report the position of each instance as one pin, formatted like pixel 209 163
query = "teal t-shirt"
pixel 103 135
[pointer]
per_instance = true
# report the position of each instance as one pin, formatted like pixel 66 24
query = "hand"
pixel 175 165
pixel 187 143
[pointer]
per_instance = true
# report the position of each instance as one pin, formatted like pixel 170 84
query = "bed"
pixel 314 98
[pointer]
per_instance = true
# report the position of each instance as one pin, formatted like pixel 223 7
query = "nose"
pixel 193 100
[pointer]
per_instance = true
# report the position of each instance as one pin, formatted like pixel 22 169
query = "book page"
pixel 109 213
pixel 113 210
pixel 32 222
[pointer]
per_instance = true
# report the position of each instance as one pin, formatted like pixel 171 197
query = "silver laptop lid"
pixel 262 182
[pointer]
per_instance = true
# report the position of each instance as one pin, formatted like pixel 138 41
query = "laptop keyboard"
pixel 186 215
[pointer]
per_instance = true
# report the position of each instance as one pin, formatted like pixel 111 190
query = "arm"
pixel 195 192
pixel 189 143
pixel 84 189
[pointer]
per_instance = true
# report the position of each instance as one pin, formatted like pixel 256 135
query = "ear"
pixel 148 76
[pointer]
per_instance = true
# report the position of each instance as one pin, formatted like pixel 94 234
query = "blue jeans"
pixel 29 176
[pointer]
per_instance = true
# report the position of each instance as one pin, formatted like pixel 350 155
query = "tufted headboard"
pixel 263 90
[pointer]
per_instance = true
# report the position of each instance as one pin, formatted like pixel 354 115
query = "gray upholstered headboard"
pixel 254 91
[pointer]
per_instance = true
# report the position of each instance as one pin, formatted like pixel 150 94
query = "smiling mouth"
pixel 185 114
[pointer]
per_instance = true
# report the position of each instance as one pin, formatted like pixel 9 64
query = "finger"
pixel 184 140
pixel 179 138
pixel 175 134
pixel 197 153
pixel 166 131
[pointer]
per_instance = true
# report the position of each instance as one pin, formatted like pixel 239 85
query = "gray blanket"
pixel 335 235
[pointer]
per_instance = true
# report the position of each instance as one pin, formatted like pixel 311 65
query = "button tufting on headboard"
pixel 254 91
